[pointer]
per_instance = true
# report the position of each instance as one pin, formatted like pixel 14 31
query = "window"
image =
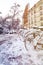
pixel 35 5
pixel 41 18
pixel 34 11
pixel 31 13
pixel 32 22
pixel 40 7
pixel 41 23
pixel 41 12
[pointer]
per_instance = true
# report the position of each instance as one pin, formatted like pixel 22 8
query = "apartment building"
pixel 35 17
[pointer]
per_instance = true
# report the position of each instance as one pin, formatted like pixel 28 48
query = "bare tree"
pixel 15 10
pixel 15 20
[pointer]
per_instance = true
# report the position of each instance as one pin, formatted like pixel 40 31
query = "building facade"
pixel 25 16
pixel 36 14
pixel 35 17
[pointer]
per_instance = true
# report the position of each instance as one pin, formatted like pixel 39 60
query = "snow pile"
pixel 13 51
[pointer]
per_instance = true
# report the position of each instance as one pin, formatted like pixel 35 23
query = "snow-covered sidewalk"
pixel 13 51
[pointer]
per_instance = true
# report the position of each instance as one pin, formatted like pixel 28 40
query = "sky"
pixel 5 5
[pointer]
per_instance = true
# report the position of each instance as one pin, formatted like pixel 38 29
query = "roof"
pixel 36 5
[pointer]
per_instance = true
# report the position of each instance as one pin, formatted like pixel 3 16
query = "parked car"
pixel 1 30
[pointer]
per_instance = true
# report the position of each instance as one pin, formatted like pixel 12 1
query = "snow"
pixel 41 27
pixel 14 52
